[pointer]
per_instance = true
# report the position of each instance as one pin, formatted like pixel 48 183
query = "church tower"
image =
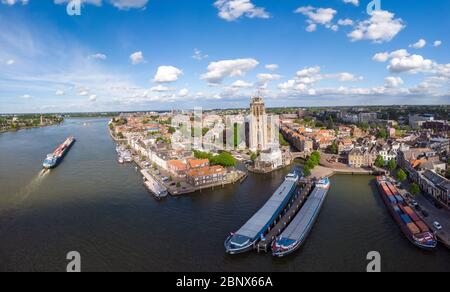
pixel 258 125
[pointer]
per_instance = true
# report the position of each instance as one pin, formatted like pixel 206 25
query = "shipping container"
pixel 392 188
pixel 406 219
pixel 393 200
pixel 400 199
pixel 386 189
pixel 408 210
pixel 422 226
pixel 413 228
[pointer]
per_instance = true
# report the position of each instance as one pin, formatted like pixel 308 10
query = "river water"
pixel 101 209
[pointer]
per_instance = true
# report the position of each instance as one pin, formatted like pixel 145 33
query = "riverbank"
pixel 27 128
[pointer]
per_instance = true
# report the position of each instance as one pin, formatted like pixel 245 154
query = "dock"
pixel 286 217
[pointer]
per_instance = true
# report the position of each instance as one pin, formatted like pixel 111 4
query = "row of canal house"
pixel 422 166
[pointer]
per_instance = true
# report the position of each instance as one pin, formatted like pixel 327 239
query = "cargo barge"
pixel 248 235
pixel 55 158
pixel 410 223
pixel 294 236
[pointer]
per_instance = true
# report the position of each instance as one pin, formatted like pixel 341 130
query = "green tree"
pixel 382 134
pixel 401 175
pixel 254 156
pixel 392 165
pixel 224 159
pixel 333 148
pixel 172 130
pixel 283 141
pixel 379 162
pixel 178 184
pixel 414 189
pixel 306 171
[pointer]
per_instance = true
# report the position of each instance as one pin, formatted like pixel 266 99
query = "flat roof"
pixel 298 228
pixel 265 215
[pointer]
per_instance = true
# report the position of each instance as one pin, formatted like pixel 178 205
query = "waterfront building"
pixel 209 175
pixel 360 157
pixel 269 160
pixel 419 164
pixel 177 168
pixel 345 146
pixel 197 163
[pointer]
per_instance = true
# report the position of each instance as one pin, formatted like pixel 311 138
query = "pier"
pixel 285 218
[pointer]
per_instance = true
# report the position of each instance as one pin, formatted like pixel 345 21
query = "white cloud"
pixel 136 58
pixel 98 56
pixel 322 16
pixel 59 93
pixel 308 71
pixel 161 88
pixel 317 15
pixel 241 84
pixel 437 43
pixel 84 93
pixel 127 4
pixel 419 44
pixel 120 4
pixel 217 71
pixel 381 27
pixel 271 67
pixel 354 2
pixel 345 22
pixel 411 63
pixel 12 2
pixel 92 98
pixel 167 74
pixel 26 96
pixel 198 55
pixel 393 81
pixel 381 57
pixel 268 77
pixel 231 10
pixel 10 62
pixel 346 77
pixel 183 92
pixel 399 54
pixel 311 27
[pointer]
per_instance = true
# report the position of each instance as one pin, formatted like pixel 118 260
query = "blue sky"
pixel 166 54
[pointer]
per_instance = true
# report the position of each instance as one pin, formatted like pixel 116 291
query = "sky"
pixel 126 55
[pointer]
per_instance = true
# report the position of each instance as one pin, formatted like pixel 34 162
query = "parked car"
pixel 425 214
pixel 414 203
pixel 437 225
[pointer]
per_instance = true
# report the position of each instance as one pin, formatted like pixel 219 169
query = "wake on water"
pixel 33 185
